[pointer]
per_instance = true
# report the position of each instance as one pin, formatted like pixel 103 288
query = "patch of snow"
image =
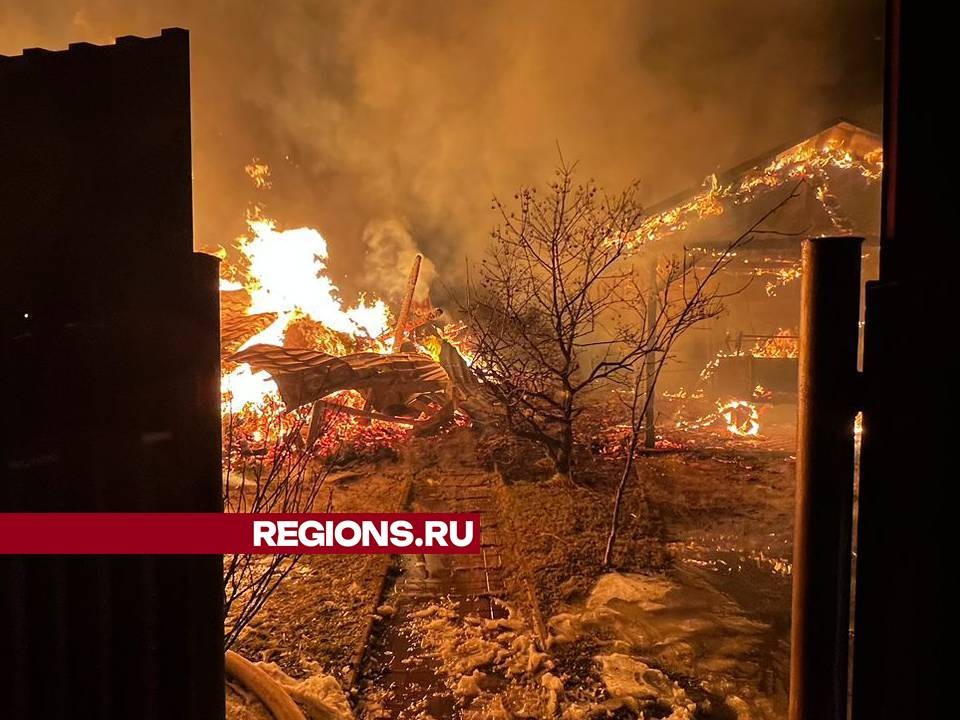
pixel 469 685
pixel 647 592
pixel 654 628
pixel 630 679
pixel 476 654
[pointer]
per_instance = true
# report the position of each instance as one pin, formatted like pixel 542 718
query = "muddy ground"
pixel 692 621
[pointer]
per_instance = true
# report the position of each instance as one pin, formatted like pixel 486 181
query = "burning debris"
pixel 281 291
pixel 288 345
pixel 739 416
pixel 752 357
pixel 297 356
pixel 397 387
pixel 236 325
pixel 259 172
pixel 782 344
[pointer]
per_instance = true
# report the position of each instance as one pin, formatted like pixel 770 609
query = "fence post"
pixel 828 379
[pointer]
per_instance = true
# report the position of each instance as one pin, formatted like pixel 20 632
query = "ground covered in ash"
pixel 691 620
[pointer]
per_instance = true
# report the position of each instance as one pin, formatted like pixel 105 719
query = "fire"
pixel 286 271
pixel 242 386
pixel 286 275
pixel 741 417
pixel 259 172
pixel 810 160
pixel 779 277
pixel 783 344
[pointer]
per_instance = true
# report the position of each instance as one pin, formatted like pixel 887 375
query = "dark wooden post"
pixel 829 313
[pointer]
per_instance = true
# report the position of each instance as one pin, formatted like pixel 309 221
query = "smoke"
pixel 422 110
pixel 389 254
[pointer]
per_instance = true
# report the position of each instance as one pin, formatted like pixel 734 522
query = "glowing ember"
pixel 779 278
pixel 259 172
pixel 683 394
pixel 783 344
pixel 761 393
pixel 741 417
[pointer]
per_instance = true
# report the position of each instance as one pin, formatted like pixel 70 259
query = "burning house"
pixel 748 357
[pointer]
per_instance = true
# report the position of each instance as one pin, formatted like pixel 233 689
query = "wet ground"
pixel 726 516
pixel 696 617
pixel 400 676
pixel 728 523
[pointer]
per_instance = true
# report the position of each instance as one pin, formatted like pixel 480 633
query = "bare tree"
pixel 279 476
pixel 562 305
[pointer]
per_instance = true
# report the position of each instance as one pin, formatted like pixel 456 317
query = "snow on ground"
pixel 656 630
pixel 694 623
pixel 491 667
pixel 702 592
pixel 321 610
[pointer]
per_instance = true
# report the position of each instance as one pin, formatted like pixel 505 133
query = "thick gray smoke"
pixel 415 113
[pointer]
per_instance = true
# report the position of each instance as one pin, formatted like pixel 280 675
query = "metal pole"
pixel 829 313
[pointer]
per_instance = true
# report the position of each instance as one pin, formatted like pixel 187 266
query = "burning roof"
pixel 839 168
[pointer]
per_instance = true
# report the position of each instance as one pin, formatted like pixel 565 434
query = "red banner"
pixel 219 534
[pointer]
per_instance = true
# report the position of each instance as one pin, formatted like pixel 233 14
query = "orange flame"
pixel 809 160
pixel 286 275
pixel 741 417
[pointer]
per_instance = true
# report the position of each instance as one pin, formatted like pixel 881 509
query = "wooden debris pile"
pixel 407 387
